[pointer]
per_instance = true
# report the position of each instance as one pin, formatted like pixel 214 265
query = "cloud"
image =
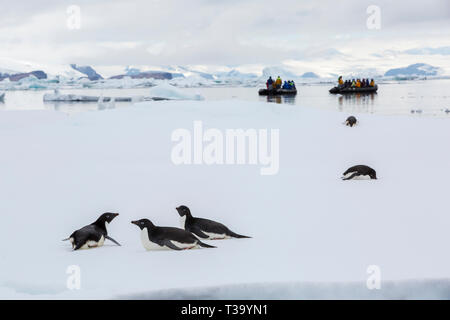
pixel 205 32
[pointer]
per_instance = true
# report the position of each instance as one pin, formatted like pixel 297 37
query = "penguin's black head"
pixel 373 175
pixel 183 211
pixel 107 217
pixel 143 223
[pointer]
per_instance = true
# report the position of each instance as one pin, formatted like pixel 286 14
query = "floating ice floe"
pixel 102 105
pixel 169 92
pixel 57 96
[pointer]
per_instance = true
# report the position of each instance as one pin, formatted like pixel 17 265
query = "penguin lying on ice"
pixel 351 121
pixel 204 228
pixel 359 172
pixel 93 235
pixel 157 238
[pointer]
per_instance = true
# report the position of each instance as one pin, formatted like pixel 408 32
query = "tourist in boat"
pixel 286 85
pixel 269 83
pixel 358 83
pixel 292 84
pixel 363 83
pixel 372 83
pixel 353 83
pixel 340 81
pixel 278 83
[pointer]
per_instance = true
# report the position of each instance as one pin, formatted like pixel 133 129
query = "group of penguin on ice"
pixel 155 237
pixel 193 228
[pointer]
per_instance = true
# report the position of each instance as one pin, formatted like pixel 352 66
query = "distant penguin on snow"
pixel 93 235
pixel 204 228
pixel 351 121
pixel 359 172
pixel 157 238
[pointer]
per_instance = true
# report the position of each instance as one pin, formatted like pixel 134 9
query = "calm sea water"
pixel 415 98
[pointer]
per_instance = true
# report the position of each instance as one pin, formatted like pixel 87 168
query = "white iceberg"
pixel 59 97
pixel 169 92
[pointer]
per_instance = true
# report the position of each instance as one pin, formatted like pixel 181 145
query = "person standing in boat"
pixel 353 83
pixel 340 81
pixel 278 83
pixel 269 83
pixel 372 83
pixel 358 83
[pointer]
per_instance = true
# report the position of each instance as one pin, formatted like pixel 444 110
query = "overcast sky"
pixel 307 35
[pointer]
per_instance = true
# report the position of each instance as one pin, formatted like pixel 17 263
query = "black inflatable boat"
pixel 354 90
pixel 274 92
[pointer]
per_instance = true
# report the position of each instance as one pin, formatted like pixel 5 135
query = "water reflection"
pixel 289 99
pixel 359 102
pixel 75 107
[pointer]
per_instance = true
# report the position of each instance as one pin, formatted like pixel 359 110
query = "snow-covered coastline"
pixel 59 172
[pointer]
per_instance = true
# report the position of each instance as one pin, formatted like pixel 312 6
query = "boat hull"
pixel 275 92
pixel 354 90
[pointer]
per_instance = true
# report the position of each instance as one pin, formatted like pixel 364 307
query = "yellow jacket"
pixel 372 83
pixel 278 82
pixel 358 84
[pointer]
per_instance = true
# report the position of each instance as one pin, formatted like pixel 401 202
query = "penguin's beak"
pixel 134 222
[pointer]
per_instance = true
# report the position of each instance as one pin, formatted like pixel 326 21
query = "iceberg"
pixel 58 97
pixel 169 92
pixel 414 70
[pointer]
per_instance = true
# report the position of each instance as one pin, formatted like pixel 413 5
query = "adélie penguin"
pixel 157 238
pixel 204 228
pixel 93 235
pixel 359 172
pixel 351 121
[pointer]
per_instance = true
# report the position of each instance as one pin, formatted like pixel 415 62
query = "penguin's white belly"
pixel 185 245
pixel 182 221
pixel 361 177
pixel 366 177
pixel 216 236
pixel 93 244
pixel 150 245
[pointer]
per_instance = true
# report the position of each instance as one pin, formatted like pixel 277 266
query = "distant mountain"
pixel 309 75
pixel 428 50
pixel 88 71
pixel 186 71
pixel 276 71
pixel 132 71
pixel 145 75
pixel 235 74
pixel 418 69
pixel 19 76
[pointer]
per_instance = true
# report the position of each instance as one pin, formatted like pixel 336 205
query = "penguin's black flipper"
pixel 111 239
pixel 199 233
pixel 204 245
pixel 169 244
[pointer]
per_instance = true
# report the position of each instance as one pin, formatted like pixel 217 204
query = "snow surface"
pixel 313 235
pixel 167 91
